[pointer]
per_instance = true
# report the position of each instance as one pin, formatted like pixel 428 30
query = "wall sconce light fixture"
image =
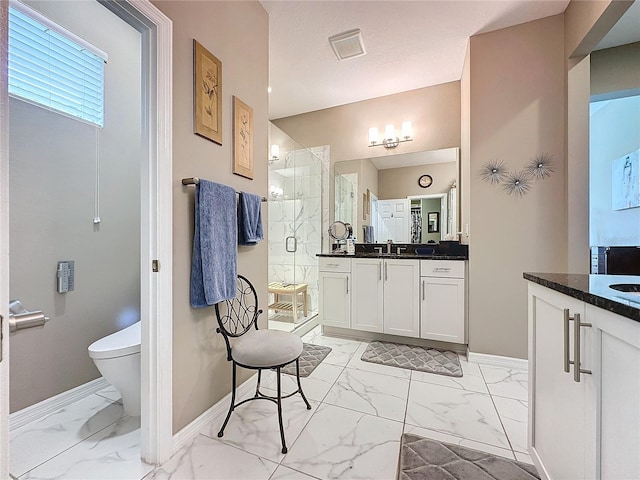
pixel 276 192
pixel 390 140
pixel 275 153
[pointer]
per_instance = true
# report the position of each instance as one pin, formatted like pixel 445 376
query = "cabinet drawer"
pixel 442 268
pixel 332 264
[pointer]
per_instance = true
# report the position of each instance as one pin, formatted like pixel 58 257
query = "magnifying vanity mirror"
pixel 406 198
pixel 341 232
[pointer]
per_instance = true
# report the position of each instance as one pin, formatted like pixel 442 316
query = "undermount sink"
pixel 631 288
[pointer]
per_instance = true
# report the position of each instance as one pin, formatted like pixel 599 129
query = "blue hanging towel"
pixel 214 259
pixel 249 219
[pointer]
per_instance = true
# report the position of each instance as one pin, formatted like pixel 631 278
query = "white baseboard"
pixel 190 431
pixel 498 361
pixel 55 403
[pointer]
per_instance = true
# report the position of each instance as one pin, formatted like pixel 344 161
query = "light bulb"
pixel 406 130
pixel 373 135
pixel 389 132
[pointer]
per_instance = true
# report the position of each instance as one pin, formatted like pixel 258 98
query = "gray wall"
pixel 517 111
pixel 237 33
pixel 52 168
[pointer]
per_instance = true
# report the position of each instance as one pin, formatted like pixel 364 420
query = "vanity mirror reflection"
pixel 407 198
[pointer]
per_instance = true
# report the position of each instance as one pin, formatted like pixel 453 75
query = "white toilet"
pixel 117 356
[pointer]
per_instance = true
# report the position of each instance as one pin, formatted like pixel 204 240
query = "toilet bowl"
pixel 117 357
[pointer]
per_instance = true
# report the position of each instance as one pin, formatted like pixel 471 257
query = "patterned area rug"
pixel 425 459
pixel 430 360
pixel 311 357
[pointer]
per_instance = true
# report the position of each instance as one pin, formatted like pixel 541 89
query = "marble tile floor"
pixel 359 412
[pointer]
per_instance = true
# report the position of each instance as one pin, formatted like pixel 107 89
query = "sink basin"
pixel 630 288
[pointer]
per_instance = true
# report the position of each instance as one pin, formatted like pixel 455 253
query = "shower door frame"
pixel 156 302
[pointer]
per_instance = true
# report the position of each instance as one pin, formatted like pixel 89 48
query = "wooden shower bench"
pixel 292 290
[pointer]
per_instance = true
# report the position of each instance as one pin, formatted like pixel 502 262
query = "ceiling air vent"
pixel 348 44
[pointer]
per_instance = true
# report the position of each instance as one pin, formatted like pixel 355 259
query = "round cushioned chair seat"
pixel 266 348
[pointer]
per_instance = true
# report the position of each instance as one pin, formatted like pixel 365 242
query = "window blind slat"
pixel 49 69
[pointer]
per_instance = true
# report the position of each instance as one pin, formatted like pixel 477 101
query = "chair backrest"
pixel 237 316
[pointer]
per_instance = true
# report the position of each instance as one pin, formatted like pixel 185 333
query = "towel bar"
pixel 196 180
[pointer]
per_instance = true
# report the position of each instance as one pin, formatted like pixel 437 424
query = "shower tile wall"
pixel 298 212
pixel 324 154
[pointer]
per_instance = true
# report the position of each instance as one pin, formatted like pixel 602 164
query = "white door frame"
pixel 156 230
pixel 4 243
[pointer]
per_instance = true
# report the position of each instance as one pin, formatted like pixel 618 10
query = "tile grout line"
pixel 320 403
pixel 77 443
pixel 499 417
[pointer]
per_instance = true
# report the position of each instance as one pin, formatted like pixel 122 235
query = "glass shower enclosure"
pixel 295 231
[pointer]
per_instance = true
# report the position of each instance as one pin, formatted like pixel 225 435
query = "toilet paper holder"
pixel 20 318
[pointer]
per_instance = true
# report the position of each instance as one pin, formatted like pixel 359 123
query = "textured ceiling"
pixel 410 44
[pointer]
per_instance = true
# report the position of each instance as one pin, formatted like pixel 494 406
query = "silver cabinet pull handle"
pixel 423 290
pixel 347 279
pixel 442 269
pixel 567 318
pixel 576 348
pixel 333 265
pixel 386 273
pixel 379 271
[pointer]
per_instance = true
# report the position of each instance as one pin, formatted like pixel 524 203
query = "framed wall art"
pixel 207 94
pixel 242 138
pixel 433 222
pixel 625 181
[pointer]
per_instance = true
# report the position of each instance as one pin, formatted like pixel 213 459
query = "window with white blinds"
pixel 51 70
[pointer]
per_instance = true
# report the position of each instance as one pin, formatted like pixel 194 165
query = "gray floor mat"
pixel 426 459
pixel 311 357
pixel 430 360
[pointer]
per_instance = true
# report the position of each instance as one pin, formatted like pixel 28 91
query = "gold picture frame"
pixel 364 206
pixel 242 138
pixel 207 94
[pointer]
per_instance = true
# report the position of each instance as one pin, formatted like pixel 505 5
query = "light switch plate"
pixel 65 274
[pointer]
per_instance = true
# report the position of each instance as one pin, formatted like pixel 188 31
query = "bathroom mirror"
pixel 375 191
pixel 433 222
pixel 340 230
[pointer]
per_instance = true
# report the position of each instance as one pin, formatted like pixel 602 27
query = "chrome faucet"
pixel 389 243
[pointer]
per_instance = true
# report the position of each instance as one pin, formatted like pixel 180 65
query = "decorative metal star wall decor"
pixel 540 167
pixel 493 172
pixel 519 183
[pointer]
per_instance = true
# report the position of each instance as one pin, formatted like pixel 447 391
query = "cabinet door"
pixel 335 299
pixel 366 295
pixel 401 300
pixel 558 433
pixel 442 309
pixel 618 392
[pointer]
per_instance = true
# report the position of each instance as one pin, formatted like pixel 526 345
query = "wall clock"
pixel 425 181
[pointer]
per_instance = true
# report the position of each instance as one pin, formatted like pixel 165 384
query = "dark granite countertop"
pixel 594 289
pixel 402 256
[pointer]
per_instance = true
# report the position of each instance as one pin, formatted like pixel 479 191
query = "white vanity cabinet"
pixel 384 296
pixel 442 300
pixel 368 290
pixel 588 429
pixel 560 409
pixel 617 397
pixel 401 287
pixel 335 291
